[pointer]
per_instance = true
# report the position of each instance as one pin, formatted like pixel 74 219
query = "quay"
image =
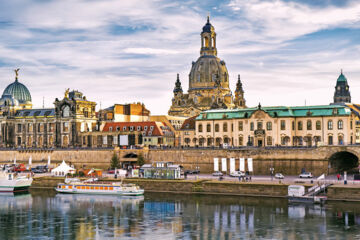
pixel 275 189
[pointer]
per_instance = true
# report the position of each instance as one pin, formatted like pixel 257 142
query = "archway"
pixel 343 161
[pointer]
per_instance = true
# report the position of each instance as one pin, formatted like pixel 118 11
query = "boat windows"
pixel 77 187
pixel 111 188
pixel 105 188
pixel 87 188
pixel 70 187
pixel 92 188
pixel 83 187
pixel 101 188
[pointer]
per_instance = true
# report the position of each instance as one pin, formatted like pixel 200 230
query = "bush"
pixel 115 163
pixel 140 160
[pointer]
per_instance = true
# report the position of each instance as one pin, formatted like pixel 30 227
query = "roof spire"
pixel 16 74
pixel 208 17
pixel 341 71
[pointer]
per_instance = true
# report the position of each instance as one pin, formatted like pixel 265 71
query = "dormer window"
pixel 138 128
pixel 151 128
pixel 124 128
pixel 145 128
pixel 110 129
pixel 131 128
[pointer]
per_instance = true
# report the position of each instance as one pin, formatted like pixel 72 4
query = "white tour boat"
pixel 12 182
pixel 94 187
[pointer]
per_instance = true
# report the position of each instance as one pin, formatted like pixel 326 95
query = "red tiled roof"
pixel 189 124
pixel 157 131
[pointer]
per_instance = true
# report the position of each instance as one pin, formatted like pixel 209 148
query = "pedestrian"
pixel 338 176
pixel 239 178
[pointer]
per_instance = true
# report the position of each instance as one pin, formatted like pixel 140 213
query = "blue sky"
pixel 130 51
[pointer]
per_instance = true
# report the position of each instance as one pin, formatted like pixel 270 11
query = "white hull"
pixel 15 185
pixel 99 189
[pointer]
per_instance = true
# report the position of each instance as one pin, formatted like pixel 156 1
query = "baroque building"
pixel 273 126
pixel 342 92
pixel 208 82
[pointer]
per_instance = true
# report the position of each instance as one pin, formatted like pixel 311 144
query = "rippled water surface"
pixel 43 214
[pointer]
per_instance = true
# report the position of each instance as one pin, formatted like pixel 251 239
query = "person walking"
pixel 338 176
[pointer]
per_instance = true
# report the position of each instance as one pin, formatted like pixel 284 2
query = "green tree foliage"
pixel 140 159
pixel 115 163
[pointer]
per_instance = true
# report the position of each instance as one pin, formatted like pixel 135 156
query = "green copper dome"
pixel 18 91
pixel 342 78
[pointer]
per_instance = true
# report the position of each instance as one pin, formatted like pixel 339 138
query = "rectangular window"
pixel 300 126
pixel 293 125
pixel 330 125
pixel 269 126
pixel 259 126
pixel 241 141
pixel 65 126
pixel 19 128
pixel 251 126
pixel 282 125
pixel 351 124
pixel 241 126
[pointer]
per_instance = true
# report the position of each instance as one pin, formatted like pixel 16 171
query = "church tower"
pixel 208 80
pixel 342 93
pixel 239 100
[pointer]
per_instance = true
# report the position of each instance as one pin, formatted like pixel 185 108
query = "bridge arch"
pixel 343 161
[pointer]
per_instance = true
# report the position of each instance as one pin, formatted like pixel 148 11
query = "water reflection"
pixel 44 214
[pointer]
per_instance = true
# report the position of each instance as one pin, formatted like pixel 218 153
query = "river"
pixel 43 214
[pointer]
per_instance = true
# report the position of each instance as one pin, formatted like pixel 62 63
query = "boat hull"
pixel 101 189
pixel 20 185
pixel 122 193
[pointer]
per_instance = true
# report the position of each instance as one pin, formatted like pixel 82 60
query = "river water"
pixel 43 214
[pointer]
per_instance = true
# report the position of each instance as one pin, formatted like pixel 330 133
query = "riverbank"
pixel 205 186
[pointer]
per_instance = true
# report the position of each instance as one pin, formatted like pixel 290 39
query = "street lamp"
pixel 272 173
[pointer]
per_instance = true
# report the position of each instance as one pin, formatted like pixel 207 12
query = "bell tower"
pixel 208 39
pixel 342 92
pixel 239 95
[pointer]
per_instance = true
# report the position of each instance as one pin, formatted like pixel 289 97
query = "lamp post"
pixel 272 173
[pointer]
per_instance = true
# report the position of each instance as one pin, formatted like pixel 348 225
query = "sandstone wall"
pixel 288 161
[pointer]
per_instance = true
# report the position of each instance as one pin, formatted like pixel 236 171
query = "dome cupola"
pixel 18 90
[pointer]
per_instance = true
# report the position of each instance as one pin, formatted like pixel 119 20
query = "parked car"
pixel 39 169
pixel 306 175
pixel 111 171
pixel 20 168
pixel 237 174
pixel 192 171
pixel 279 176
pixel 217 173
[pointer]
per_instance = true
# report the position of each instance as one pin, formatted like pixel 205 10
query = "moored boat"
pixel 12 182
pixel 112 188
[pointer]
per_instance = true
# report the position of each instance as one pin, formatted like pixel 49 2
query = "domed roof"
pixel 207 71
pixel 19 91
pixel 8 100
pixel 341 78
pixel 208 27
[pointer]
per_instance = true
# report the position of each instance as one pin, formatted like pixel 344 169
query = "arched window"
pixel 225 128
pixel 200 128
pixel 269 126
pixel 208 127
pixel 308 125
pixel 318 125
pixel 206 41
pixel 330 125
pixel 66 111
pixel 300 125
pixel 340 140
pixel 259 125
pixel 241 140
pixel 216 127
pixel 340 124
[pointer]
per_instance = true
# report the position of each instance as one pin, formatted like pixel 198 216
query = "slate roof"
pixel 39 113
pixel 280 111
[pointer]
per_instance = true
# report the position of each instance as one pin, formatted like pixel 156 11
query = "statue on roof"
pixel 16 73
pixel 67 93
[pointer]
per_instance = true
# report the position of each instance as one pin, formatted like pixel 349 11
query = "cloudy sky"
pixel 118 51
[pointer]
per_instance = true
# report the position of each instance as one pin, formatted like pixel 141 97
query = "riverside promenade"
pixel 230 186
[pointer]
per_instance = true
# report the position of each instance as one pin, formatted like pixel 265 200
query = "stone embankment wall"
pixel 289 161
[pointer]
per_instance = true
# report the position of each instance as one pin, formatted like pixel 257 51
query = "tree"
pixel 140 160
pixel 114 161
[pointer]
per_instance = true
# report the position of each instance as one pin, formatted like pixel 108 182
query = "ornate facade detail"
pixel 208 81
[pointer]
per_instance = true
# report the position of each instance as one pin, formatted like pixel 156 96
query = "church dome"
pixel 8 100
pixel 207 72
pixel 19 91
